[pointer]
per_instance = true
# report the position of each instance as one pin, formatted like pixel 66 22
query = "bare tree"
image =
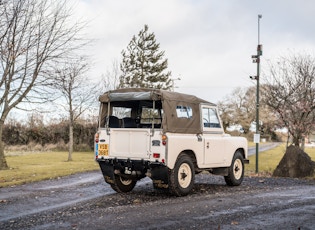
pixel 239 108
pixel 111 78
pixel 78 93
pixel 33 33
pixel 291 93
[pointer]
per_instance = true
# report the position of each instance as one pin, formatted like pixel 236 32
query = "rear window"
pixel 121 112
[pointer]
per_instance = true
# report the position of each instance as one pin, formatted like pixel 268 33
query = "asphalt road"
pixel 264 147
pixel 85 201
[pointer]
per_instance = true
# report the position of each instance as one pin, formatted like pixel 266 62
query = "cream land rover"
pixel 166 136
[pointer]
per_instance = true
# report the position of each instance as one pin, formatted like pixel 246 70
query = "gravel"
pixel 259 203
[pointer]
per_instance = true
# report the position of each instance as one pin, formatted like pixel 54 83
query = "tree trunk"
pixel 70 141
pixel 3 162
pixel 288 139
pixel 296 141
pixel 303 143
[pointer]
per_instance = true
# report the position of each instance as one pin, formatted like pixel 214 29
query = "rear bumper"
pixel 133 169
pixel 246 161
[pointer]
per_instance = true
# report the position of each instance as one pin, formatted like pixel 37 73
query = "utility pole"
pixel 256 59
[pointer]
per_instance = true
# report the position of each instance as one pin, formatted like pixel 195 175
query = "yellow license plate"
pixel 103 149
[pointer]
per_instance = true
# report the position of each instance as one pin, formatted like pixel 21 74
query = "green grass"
pixel 269 160
pixel 31 167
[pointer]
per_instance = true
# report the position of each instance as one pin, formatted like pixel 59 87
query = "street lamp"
pixel 256 59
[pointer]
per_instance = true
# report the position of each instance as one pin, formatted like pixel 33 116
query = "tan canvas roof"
pixel 154 94
pixel 170 101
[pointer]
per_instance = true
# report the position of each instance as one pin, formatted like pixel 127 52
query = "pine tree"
pixel 143 64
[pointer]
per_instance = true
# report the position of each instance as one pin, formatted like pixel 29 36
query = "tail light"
pixel 97 135
pixel 164 139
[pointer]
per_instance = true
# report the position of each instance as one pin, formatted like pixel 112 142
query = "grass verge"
pixel 269 160
pixel 31 167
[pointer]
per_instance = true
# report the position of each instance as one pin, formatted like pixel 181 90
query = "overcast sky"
pixel 208 43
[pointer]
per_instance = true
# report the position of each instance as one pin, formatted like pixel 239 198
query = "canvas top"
pixel 171 101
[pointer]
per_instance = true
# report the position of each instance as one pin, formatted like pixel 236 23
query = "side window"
pixel 183 111
pixel 210 118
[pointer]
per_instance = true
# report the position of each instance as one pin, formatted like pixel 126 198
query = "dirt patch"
pixel 295 163
pixel 85 201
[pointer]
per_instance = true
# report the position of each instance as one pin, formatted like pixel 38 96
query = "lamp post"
pixel 256 59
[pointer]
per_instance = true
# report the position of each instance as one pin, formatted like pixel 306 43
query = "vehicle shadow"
pixel 144 192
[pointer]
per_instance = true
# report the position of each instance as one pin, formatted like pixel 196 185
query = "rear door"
pixel 130 143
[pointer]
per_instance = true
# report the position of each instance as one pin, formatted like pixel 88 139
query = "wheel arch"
pixel 192 155
pixel 187 152
pixel 242 151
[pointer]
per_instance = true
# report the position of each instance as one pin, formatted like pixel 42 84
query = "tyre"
pixel 123 185
pixel 236 170
pixel 181 178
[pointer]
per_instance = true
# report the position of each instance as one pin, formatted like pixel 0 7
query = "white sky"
pixel 208 43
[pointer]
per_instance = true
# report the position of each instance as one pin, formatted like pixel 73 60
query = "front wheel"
pixel 181 178
pixel 236 170
pixel 123 185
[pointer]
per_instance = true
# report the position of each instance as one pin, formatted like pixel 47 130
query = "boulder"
pixel 295 163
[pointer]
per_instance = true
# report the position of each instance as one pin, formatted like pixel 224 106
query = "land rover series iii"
pixel 167 136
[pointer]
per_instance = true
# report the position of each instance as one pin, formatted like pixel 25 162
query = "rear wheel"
pixel 236 170
pixel 181 178
pixel 123 185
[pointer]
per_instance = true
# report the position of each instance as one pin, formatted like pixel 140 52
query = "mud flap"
pixel 220 171
pixel 159 176
pixel 108 172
